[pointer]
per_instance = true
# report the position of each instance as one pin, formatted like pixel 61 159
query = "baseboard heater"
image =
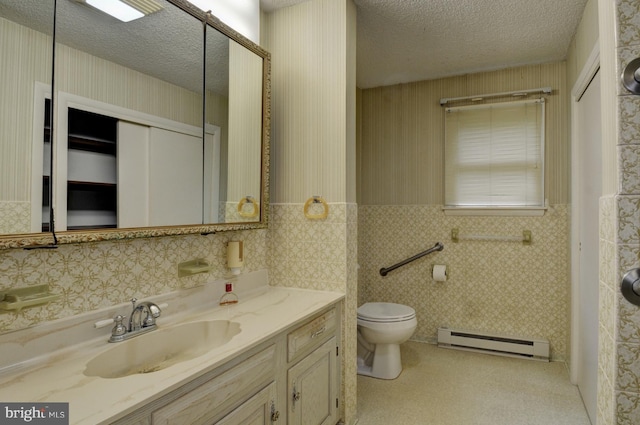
pixel 535 349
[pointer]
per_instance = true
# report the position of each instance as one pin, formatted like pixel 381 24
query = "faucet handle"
pixel 154 310
pixel 119 328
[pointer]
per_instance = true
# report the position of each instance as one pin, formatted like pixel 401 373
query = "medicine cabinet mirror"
pixel 161 124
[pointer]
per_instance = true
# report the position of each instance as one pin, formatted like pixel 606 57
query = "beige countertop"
pixel 58 376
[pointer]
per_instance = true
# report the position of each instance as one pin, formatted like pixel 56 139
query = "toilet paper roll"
pixel 439 273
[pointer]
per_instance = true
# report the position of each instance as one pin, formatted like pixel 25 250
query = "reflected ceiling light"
pixel 125 10
pixel 117 9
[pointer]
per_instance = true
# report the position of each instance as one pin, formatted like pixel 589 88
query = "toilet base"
pixel 386 362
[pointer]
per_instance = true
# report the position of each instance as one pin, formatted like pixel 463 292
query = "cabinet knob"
pixel 296 396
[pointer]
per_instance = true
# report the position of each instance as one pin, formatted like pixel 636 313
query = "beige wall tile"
pixel 320 254
pixel 628 357
pixel 627 203
pixel 492 286
pixel 606 401
pixel 15 217
pixel 628 218
pixel 629 119
pixel 94 275
pixel 628 25
pixel 608 301
pixel 629 160
pixel 628 408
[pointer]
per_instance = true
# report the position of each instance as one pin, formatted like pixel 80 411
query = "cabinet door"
pixel 175 178
pixel 158 182
pixel 313 387
pixel 133 174
pixel 258 410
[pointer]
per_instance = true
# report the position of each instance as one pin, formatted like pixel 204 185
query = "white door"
pixel 589 187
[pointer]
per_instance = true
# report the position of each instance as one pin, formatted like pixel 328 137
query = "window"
pixel 494 155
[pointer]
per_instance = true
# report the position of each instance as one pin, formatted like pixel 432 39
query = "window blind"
pixel 494 155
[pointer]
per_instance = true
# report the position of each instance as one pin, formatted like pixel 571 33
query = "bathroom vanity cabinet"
pixel 291 378
pixel 248 386
pixel 312 378
pixel 282 367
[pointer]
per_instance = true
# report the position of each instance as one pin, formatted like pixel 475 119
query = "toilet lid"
pixel 385 312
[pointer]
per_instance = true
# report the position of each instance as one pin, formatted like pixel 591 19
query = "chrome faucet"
pixel 143 315
pixel 142 320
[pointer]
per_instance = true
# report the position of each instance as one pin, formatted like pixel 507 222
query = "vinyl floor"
pixel 441 386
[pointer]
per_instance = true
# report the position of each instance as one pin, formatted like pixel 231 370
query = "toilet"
pixel 382 327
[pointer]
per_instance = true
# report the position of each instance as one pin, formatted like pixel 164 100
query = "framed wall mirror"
pixel 161 124
pixel 26 54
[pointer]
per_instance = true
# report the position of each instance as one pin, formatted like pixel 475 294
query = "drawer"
pixel 311 334
pixel 214 397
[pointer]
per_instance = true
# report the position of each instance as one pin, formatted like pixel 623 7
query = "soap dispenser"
pixel 235 256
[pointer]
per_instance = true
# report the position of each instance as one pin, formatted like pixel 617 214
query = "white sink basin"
pixel 161 348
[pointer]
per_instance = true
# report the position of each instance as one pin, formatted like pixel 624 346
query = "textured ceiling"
pixel 167 44
pixel 400 41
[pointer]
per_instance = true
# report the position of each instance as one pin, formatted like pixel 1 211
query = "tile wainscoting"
pixel 503 287
pixel 15 217
pixel 100 274
pixel 321 254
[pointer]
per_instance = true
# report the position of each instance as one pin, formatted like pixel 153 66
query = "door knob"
pixel 631 76
pixel 630 286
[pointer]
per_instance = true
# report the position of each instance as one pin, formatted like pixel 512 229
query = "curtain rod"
pixel 546 90
pixel 495 105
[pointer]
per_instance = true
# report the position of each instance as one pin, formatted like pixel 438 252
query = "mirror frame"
pixel 51 239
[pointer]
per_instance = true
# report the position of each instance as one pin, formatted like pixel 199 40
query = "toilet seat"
pixel 385 312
